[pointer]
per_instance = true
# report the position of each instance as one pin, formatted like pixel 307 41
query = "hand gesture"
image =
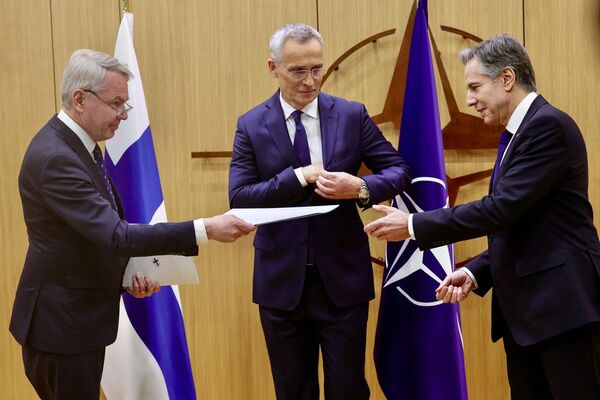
pixel 226 228
pixel 337 185
pixel 393 227
pixel 455 287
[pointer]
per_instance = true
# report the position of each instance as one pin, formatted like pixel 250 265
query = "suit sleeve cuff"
pixel 411 230
pixel 300 176
pixel 470 275
pixel 200 229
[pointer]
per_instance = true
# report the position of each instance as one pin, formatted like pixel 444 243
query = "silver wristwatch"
pixel 363 193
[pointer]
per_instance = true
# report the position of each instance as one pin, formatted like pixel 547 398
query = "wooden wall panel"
pixel 562 39
pixel 78 24
pixel 27 102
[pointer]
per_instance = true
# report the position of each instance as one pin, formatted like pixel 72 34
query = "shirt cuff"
pixel 300 176
pixel 200 229
pixel 411 231
pixel 470 275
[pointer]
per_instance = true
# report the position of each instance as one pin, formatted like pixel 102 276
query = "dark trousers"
pixel 293 339
pixel 566 367
pixel 64 376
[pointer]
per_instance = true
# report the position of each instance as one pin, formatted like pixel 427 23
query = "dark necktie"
pixel 502 143
pixel 300 140
pixel 99 160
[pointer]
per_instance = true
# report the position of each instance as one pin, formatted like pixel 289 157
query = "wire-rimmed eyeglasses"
pixel 119 110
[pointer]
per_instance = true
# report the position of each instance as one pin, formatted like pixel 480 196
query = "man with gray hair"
pixel 313 277
pixel 67 302
pixel 543 257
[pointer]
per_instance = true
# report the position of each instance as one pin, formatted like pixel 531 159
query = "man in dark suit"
pixel 312 277
pixel 543 257
pixel 67 302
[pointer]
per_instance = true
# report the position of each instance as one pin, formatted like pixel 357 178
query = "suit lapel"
pixel 77 146
pixel 328 119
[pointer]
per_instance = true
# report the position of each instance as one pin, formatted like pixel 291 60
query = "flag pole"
pixel 126 7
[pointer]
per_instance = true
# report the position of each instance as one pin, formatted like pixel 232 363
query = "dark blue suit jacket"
pixel 543 257
pixel 262 175
pixel 68 296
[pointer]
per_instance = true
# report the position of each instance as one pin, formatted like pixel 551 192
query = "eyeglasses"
pixel 119 109
pixel 301 74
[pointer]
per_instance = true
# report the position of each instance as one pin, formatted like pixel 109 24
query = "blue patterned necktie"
pixel 99 161
pixel 502 143
pixel 300 140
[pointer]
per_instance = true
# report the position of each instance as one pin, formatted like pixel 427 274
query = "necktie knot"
pixel 505 138
pixel 97 153
pixel 297 116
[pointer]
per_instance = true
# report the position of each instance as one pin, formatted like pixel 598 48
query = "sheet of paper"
pixel 259 216
pixel 167 270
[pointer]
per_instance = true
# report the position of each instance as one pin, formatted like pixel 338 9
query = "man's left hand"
pixel 393 227
pixel 337 185
pixel 143 286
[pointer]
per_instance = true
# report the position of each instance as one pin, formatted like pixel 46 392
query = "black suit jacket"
pixel 543 257
pixel 67 300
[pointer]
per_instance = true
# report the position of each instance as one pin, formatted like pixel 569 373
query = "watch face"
pixel 363 193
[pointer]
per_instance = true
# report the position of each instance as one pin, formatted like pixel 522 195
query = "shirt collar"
pixel 85 138
pixel 517 116
pixel 311 109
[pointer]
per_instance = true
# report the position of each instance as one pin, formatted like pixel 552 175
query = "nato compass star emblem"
pixel 415 273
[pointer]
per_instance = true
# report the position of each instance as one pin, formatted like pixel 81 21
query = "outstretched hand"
pixel 226 228
pixel 392 227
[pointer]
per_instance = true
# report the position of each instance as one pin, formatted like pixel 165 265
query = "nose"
pixel 309 80
pixel 471 100
pixel 124 115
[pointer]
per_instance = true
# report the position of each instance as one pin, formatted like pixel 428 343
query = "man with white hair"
pixel 67 303
pixel 313 277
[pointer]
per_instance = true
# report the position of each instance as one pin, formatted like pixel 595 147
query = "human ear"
pixel 508 78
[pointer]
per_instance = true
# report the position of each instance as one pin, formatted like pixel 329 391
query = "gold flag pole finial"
pixel 126 7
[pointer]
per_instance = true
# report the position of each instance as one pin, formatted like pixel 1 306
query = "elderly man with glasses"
pixel 66 308
pixel 312 277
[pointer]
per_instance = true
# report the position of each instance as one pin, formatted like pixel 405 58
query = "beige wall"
pixel 203 64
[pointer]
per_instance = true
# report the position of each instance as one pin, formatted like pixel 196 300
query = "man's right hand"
pixel 311 172
pixel 226 228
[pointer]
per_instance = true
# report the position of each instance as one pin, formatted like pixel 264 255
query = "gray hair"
pixel 86 70
pixel 499 52
pixel 301 33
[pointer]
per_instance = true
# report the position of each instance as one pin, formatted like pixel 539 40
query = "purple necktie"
pixel 300 140
pixel 502 143
pixel 99 161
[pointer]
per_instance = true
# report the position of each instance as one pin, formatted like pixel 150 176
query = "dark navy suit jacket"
pixel 67 300
pixel 262 175
pixel 543 257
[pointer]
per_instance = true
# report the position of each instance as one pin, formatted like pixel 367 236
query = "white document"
pixel 259 216
pixel 166 270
